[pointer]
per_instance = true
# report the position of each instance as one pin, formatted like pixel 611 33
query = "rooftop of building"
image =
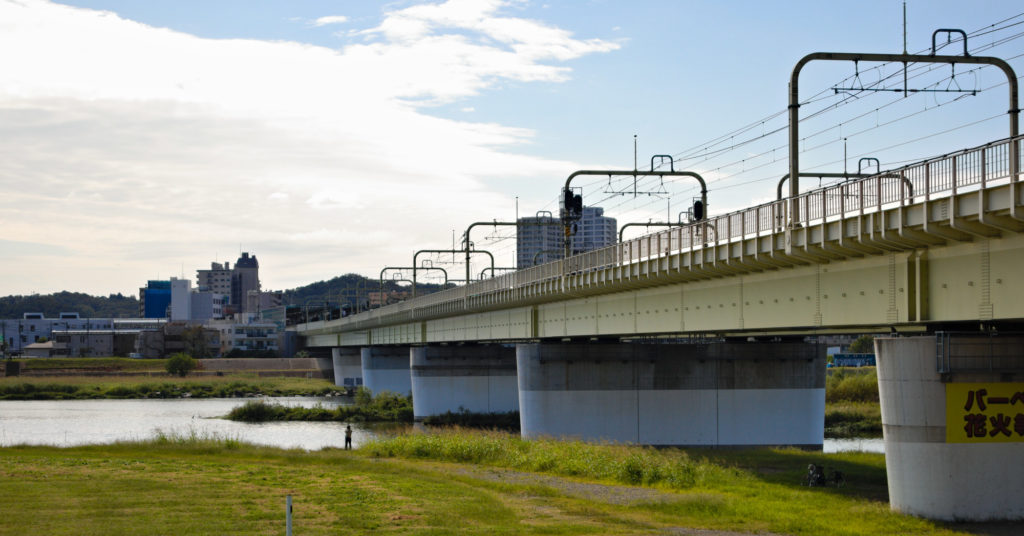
pixel 245 261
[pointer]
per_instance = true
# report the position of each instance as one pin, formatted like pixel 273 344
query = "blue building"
pixel 854 360
pixel 154 299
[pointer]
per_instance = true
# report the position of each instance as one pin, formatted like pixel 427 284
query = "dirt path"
pixel 606 493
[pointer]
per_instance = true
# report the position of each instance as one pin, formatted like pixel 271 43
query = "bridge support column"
pixel 719 394
pixel 480 379
pixel 386 368
pixel 954 425
pixel 348 366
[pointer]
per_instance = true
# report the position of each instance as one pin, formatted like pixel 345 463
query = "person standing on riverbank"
pixel 348 437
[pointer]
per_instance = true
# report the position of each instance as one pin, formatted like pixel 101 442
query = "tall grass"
pixel 853 385
pixel 617 463
pixel 508 421
pixel 852 408
pixel 192 438
pixel 383 407
pixel 853 419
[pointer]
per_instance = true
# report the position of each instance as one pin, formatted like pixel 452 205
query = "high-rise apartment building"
pixel 540 239
pixel 594 231
pixel 244 278
pixel 217 279
pixel 235 283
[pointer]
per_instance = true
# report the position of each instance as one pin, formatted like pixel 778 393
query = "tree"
pixel 196 341
pixel 181 364
pixel 865 344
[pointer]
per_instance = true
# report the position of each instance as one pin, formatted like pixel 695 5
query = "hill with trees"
pixel 348 288
pixel 51 305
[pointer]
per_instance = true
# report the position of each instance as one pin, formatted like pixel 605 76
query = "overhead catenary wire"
pixel 749 126
pixel 711 156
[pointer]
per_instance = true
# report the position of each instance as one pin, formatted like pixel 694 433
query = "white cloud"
pixel 330 19
pixel 134 149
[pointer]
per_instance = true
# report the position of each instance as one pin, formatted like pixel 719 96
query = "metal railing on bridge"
pixel 932 179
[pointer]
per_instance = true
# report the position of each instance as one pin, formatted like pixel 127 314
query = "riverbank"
pixel 236 385
pixel 456 482
pixel 300 367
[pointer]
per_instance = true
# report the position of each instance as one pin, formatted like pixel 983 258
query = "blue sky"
pixel 145 139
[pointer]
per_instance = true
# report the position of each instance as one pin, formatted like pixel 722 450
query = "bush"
pixel 852 386
pixel 363 397
pixel 385 407
pixel 865 344
pixel 181 364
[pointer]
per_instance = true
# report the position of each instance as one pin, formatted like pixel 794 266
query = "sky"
pixel 145 140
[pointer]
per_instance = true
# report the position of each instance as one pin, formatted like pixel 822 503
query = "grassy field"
pixel 231 385
pixel 455 482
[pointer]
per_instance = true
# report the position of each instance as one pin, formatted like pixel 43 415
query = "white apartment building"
pixel 541 239
pixel 248 334
pixel 594 231
pixel 217 279
pixel 181 300
pixel 188 305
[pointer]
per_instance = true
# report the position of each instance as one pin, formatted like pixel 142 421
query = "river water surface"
pixel 83 422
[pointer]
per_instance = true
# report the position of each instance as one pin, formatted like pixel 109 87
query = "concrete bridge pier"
pixel 386 368
pixel 953 420
pixel 348 366
pixel 718 394
pixel 480 379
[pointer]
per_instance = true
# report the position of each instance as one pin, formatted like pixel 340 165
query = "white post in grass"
pixel 288 516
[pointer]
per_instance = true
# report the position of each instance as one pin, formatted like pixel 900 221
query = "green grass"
pixel 747 490
pixel 438 483
pixel 86 387
pixel 853 419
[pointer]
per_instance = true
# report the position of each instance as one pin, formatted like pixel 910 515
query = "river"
pixel 82 422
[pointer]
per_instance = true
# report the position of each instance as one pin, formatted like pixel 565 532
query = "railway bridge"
pixel 704 334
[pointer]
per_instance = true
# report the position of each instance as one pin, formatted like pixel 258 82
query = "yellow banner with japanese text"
pixel 984 412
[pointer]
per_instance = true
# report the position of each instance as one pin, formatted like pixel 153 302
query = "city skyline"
pixel 141 141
